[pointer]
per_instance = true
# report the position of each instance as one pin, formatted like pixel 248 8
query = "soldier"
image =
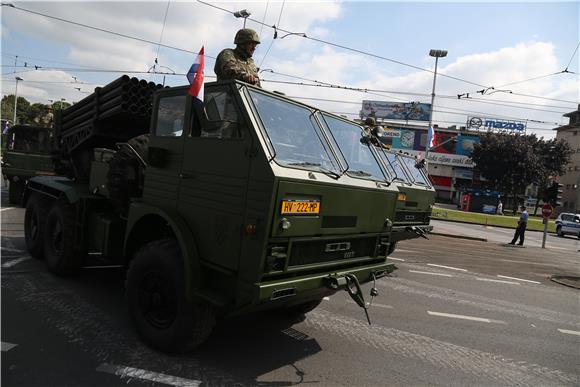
pixel 238 63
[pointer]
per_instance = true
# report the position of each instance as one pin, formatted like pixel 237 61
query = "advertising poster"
pixel 465 143
pixel 420 140
pixel 406 141
pixel 442 143
pixel 414 111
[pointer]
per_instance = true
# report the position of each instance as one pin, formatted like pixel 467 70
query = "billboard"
pixel 496 124
pixel 414 111
pixel 465 143
pixel 405 141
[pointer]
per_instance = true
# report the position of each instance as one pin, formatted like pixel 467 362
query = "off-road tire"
pixel 156 297
pixel 63 257
pixel 559 231
pixel 37 209
pixel 126 174
pixel 302 309
pixel 15 191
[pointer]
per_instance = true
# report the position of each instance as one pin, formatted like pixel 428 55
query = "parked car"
pixel 568 223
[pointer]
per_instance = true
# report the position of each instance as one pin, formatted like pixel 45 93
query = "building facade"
pixel 571 180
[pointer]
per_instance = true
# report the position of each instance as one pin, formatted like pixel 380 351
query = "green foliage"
pixel 26 113
pixel 512 162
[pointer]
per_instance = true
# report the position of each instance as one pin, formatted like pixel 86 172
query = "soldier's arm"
pixel 231 69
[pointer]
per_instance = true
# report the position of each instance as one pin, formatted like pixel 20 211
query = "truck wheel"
pixel 34 224
pixel 301 309
pixel 15 191
pixel 559 231
pixel 62 256
pixel 155 290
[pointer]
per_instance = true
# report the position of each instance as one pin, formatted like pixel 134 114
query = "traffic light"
pixel 553 194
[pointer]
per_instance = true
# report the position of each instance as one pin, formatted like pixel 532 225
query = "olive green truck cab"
pixel 27 153
pixel 251 201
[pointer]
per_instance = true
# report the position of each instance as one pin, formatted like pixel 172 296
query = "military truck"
pixel 250 201
pixel 415 198
pixel 27 153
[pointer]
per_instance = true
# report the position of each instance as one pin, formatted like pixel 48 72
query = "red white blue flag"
pixel 430 138
pixel 195 77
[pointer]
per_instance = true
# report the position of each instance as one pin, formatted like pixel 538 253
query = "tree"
pixel 512 162
pixel 27 114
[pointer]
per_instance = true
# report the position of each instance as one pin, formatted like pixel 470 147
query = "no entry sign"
pixel 546 210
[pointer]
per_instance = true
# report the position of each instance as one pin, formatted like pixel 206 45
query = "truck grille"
pixel 306 253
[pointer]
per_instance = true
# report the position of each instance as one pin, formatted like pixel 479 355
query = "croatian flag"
pixel 430 138
pixel 195 77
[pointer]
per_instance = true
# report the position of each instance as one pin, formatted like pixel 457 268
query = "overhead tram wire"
pixel 572 57
pixel 275 33
pixel 161 37
pixel 225 10
pixel 264 17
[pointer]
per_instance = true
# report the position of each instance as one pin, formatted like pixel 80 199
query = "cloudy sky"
pixel 519 48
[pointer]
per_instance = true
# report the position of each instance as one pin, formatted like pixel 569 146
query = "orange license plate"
pixel 300 207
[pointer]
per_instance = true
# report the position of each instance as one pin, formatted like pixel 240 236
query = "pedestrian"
pixel 521 228
pixel 499 209
pixel 237 63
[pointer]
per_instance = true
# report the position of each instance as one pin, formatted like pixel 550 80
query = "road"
pixel 456 312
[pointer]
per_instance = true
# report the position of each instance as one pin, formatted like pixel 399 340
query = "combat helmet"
pixel 246 35
pixel 370 121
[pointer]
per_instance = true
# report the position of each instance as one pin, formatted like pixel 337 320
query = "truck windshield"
pixel 360 159
pixel 417 175
pixel 296 139
pixel 394 165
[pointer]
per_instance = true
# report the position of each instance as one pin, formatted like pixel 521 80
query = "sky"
pixel 513 53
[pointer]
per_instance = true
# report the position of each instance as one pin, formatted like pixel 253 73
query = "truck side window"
pixel 222 116
pixel 171 116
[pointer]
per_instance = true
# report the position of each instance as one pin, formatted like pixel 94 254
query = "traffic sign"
pixel 546 210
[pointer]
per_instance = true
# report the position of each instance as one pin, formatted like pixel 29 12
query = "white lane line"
pixel 14 262
pixel 396 259
pixel 500 281
pixel 557 248
pixel 7 208
pixel 462 317
pixel 405 251
pixel 372 305
pixel 137 373
pixel 428 272
pixel 326 298
pixel 518 279
pixel 12 250
pixel 7 346
pixel 569 332
pixel 446 267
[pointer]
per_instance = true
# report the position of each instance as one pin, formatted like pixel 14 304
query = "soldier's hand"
pixel 251 79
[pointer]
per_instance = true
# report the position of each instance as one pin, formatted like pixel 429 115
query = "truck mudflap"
pixel 304 287
pixel 409 232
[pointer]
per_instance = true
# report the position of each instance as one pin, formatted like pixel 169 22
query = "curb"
pixel 484 225
pixel 459 236
pixel 570 281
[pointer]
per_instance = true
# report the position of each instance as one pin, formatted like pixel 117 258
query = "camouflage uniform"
pixel 235 64
pixel 238 63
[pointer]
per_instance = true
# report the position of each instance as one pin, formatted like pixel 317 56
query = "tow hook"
pixel 417 230
pixel 350 283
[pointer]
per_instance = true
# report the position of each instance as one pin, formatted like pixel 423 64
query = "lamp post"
pixel 16 98
pixel 436 54
pixel 242 13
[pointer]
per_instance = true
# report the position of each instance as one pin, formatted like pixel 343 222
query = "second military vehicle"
pixel 249 201
pixel 27 153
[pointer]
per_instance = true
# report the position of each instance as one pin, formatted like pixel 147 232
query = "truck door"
pixel 214 177
pixel 166 149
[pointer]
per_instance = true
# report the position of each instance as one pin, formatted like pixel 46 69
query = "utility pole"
pixel 436 54
pixel 16 99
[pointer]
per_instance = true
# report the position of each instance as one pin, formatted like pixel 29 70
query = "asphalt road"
pixel 456 312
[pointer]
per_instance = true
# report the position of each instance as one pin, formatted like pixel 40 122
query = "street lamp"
pixel 242 13
pixel 436 54
pixel 16 98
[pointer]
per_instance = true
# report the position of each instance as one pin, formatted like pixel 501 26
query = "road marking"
pixel 428 272
pixel 557 248
pixel 561 330
pixel 396 259
pixel 7 346
pixel 518 279
pixel 406 251
pixel 137 373
pixel 446 267
pixel 500 281
pixel 326 298
pixel 462 317
pixel 369 305
pixel 14 262
pixel 12 250
pixel 7 208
